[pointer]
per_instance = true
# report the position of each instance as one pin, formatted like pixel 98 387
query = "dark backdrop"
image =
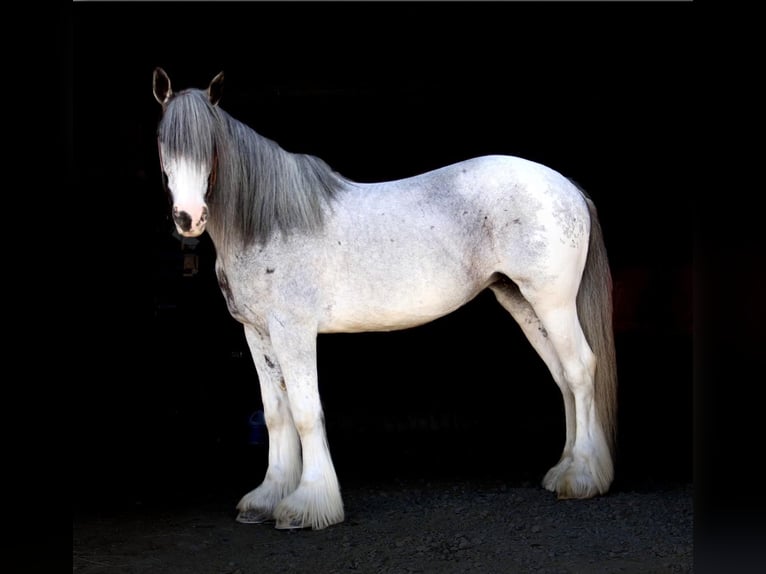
pixel 597 91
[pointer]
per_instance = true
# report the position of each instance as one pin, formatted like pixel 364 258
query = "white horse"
pixel 302 250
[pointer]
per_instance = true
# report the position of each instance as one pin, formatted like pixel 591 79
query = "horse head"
pixel 186 143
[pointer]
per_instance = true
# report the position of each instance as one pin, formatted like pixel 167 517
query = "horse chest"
pixel 257 283
pixel 245 290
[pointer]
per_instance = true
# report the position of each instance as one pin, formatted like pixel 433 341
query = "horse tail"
pixel 594 308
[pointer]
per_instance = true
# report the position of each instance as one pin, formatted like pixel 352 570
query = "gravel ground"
pixel 402 527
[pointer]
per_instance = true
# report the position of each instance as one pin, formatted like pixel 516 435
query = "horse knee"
pixel 276 415
pixel 309 423
pixel 275 421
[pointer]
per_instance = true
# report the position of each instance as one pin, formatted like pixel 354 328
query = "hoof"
pixel 253 516
pixel 291 524
pixel 573 480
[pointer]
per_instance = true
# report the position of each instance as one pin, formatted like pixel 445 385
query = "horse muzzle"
pixel 190 223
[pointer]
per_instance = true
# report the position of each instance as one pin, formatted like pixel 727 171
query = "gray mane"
pixel 259 188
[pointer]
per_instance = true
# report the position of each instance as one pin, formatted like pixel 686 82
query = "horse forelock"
pixel 188 128
pixel 259 189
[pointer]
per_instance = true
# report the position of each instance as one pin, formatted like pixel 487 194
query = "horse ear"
pixel 161 86
pixel 215 89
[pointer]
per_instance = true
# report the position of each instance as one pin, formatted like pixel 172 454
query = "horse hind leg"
pixel 285 466
pixel 552 326
pixel 587 469
pixel 509 296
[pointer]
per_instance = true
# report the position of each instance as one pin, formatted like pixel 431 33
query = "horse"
pixel 302 250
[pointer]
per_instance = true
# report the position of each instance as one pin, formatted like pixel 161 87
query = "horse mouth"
pixel 196 232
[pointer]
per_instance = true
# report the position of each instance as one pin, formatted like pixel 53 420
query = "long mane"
pixel 258 189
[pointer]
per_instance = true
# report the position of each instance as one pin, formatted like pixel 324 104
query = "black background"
pixel 601 92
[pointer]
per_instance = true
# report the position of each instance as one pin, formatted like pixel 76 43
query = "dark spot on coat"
pixel 223 283
pixel 517 221
pixel 269 362
pixel 269 270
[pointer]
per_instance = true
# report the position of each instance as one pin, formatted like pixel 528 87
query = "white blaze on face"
pixel 187 182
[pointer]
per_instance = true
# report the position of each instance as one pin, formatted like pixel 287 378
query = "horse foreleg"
pixel 316 503
pixel 284 470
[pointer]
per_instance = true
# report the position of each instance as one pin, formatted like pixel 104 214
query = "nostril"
pixel 182 219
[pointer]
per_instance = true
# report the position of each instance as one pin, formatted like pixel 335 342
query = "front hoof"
pixel 291 518
pixel 293 523
pixel 254 516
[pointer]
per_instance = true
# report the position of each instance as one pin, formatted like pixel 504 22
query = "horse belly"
pixel 397 297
